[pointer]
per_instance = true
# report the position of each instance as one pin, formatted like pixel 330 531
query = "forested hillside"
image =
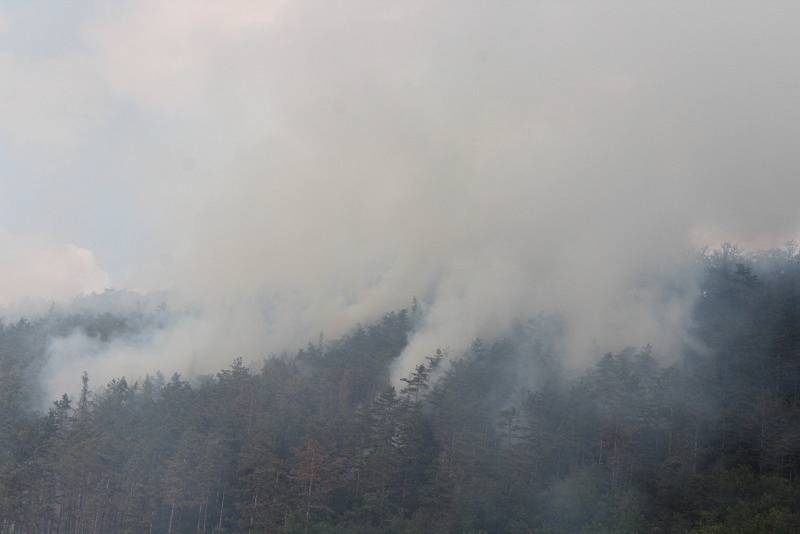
pixel 502 439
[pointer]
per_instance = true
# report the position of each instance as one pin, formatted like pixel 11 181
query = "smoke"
pixel 34 268
pixel 299 167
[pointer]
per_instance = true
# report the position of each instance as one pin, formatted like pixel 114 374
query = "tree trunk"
pixel 308 503
pixel 205 513
pixel 221 509
pixel 253 513
pixel 78 513
pixel 171 515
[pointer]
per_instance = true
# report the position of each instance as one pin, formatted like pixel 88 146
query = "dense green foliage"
pixel 320 443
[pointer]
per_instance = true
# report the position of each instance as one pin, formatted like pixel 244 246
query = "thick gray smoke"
pixel 297 167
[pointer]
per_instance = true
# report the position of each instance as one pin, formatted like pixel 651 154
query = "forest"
pixel 501 439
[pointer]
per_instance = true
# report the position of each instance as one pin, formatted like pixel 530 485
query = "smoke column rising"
pixel 301 167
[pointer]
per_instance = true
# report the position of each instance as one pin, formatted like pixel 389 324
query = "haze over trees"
pixel 501 439
pixel 481 222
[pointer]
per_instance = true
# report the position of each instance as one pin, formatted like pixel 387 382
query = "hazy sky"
pixel 321 162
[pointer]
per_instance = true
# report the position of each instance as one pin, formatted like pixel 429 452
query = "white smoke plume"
pixel 296 167
pixel 33 268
